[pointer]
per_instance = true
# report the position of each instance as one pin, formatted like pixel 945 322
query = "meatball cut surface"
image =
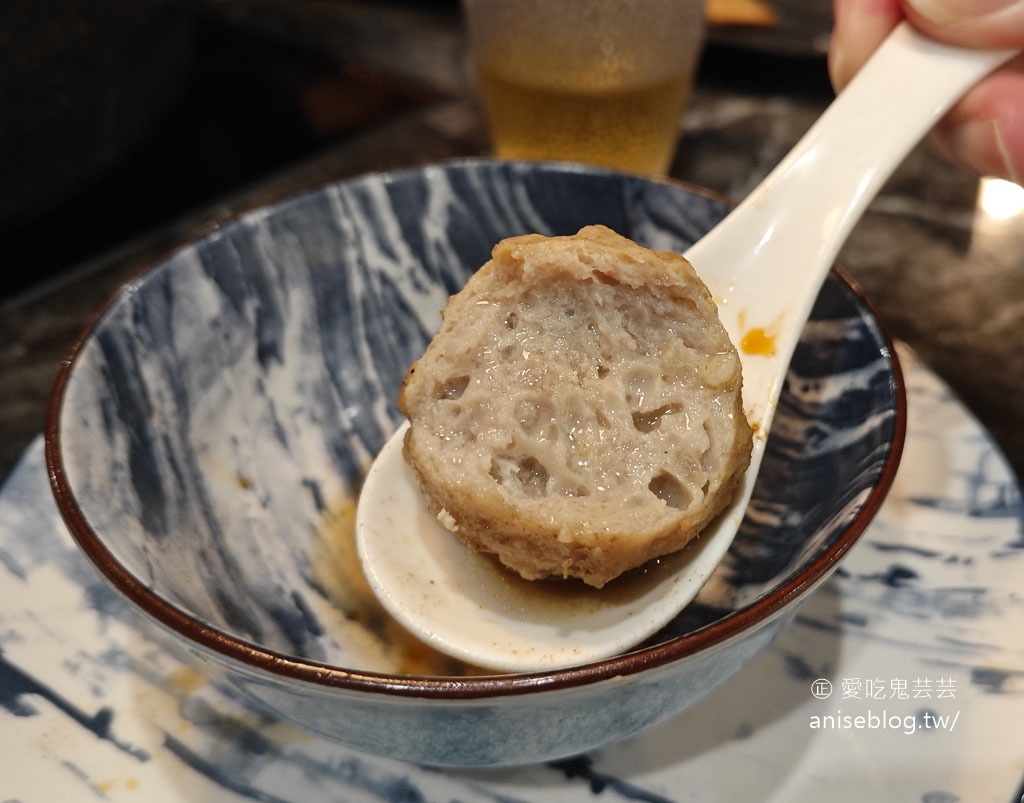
pixel 580 411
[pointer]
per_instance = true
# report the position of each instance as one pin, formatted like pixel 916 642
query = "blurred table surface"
pixel 374 86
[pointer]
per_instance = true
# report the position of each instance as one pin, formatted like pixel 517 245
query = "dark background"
pixel 119 115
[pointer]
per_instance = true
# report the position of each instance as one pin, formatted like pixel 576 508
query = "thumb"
pixel 971 23
pixel 985 131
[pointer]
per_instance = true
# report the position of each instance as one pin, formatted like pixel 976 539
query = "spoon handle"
pixel 772 253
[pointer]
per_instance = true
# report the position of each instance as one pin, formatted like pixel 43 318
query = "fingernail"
pixel 981 146
pixel 837 71
pixel 859 28
pixel 949 13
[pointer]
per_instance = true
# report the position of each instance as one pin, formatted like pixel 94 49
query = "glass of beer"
pixel 598 81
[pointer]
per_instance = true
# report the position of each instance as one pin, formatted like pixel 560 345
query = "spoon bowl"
pixel 764 264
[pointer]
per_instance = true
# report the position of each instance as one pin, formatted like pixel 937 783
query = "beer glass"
pixel 598 81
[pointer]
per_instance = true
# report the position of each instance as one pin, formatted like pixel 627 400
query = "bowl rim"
pixel 260 659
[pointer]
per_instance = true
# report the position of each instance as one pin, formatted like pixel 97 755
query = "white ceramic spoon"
pixel 764 264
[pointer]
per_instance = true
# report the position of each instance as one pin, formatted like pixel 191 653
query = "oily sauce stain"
pixel 338 569
pixel 758 342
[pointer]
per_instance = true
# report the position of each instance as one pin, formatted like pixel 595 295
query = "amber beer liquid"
pixel 629 125
pixel 603 82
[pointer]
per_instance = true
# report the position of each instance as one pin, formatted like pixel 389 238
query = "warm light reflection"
pixel 1000 199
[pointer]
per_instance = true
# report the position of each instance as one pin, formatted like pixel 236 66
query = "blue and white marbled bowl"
pixel 208 436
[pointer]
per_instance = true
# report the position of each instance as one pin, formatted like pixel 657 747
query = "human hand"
pixel 984 132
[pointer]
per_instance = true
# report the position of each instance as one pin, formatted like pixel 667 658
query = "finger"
pixel 860 26
pixel 971 23
pixel 984 132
